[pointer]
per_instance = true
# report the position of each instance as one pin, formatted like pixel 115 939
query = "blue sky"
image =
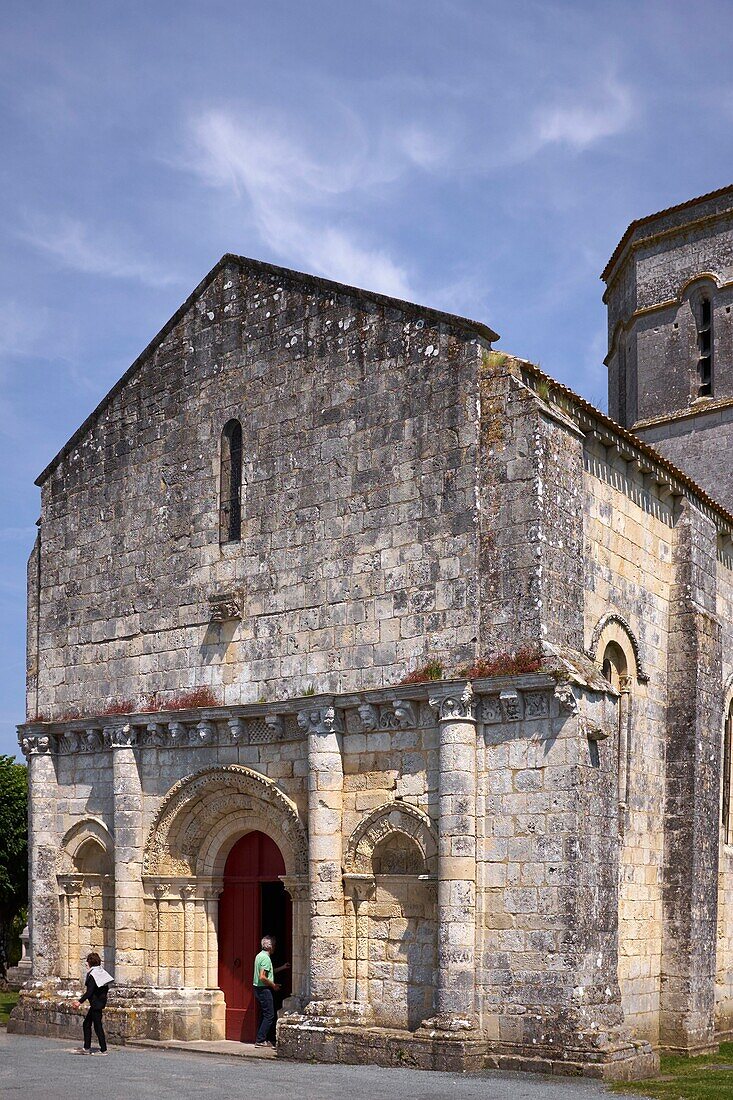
pixel 477 156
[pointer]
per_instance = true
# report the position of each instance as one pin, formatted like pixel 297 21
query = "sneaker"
pixel 101 1053
pixel 82 1050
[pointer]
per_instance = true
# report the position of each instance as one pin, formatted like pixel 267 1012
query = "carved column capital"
pixel 295 886
pixel 121 737
pixel 360 887
pixel 455 706
pixel 320 720
pixel 72 885
pixel 35 744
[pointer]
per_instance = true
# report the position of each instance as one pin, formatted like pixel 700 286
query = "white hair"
pixel 267 943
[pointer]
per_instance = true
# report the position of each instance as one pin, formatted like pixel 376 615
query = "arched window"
pixel 727 777
pixel 230 483
pixel 705 346
pixel 616 671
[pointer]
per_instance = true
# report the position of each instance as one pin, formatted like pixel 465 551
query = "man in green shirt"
pixel 264 986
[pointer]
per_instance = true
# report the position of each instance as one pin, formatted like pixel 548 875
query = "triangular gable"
pixel 328 286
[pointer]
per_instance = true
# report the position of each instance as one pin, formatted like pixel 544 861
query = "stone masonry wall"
pixel 628 571
pixel 530 516
pixel 357 557
pixel 696 444
pixel 724 951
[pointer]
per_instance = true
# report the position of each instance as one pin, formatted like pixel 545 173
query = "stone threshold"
pixel 226 1048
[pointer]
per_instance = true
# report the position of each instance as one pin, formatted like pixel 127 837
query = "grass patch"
pixel 432 670
pixel 709 1077
pixel 8 1001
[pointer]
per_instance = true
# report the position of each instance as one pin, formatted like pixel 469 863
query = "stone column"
pixel 128 833
pixel 188 894
pixel 211 900
pixel 325 806
pixel 159 890
pixel 691 825
pixel 455 992
pixel 44 846
pixel 298 890
pixel 64 933
pixel 72 892
pixel 362 889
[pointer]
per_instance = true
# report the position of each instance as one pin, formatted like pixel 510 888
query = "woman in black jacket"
pixel 97 983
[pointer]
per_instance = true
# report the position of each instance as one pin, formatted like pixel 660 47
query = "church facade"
pixel 347 628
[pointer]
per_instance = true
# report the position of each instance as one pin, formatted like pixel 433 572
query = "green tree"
pixel 13 850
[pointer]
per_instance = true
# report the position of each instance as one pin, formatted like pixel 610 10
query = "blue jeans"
pixel 267 1008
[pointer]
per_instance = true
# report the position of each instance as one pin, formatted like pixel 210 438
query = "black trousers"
pixel 94 1016
pixel 267 1008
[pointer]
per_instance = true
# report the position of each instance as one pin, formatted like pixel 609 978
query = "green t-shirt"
pixel 263 962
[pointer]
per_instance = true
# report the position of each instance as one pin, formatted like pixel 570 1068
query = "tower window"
pixel 705 347
pixel 622 385
pixel 230 483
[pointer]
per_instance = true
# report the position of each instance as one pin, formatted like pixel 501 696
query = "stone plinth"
pixel 44 1008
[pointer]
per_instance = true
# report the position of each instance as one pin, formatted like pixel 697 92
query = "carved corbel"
pixel 566 699
pixel 404 713
pixel 93 739
pixel 592 730
pixel 225 607
pixel 177 733
pixel 512 705
pixel 236 730
pixel 206 732
pixel 155 733
pixel 369 717
pixel 276 725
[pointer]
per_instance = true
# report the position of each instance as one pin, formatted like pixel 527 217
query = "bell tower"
pixel 669 293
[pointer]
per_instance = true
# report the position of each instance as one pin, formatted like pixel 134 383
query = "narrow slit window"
pixel 705 346
pixel 230 487
pixel 622 386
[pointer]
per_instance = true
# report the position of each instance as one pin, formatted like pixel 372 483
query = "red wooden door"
pixel 254 859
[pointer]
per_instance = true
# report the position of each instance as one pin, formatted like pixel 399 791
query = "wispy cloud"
pixel 299 196
pixel 584 120
pixel 22 329
pixel 77 246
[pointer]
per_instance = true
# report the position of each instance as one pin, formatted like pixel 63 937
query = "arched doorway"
pixel 253 903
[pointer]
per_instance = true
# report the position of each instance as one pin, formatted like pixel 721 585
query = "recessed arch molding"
pixel 392 817
pixel 612 618
pixel 204 814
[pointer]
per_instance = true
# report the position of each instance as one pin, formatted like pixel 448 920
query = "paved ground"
pixel 45 1069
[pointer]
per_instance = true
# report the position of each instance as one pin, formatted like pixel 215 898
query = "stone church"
pixel 344 627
